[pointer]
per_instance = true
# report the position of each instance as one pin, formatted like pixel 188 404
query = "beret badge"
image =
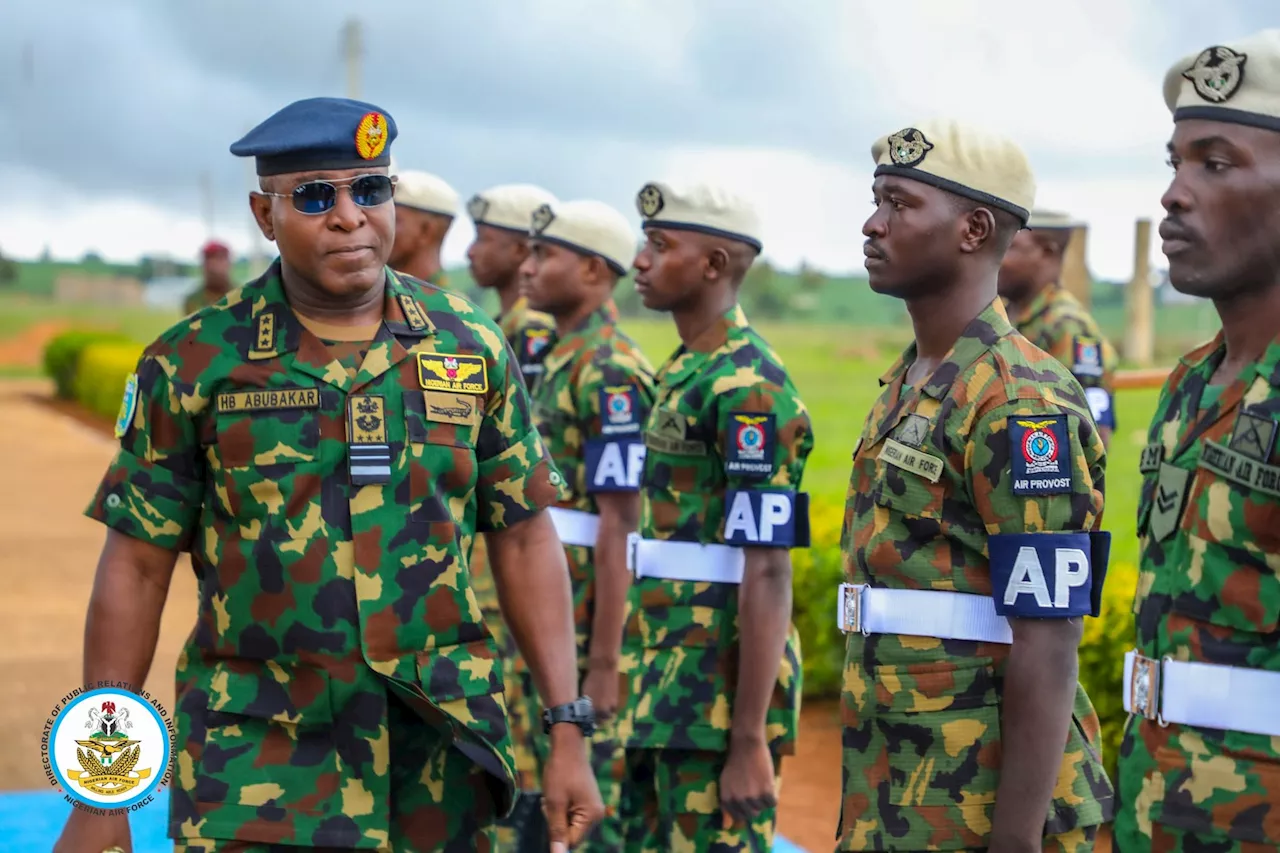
pixel 649 201
pixel 908 147
pixel 1217 73
pixel 371 136
pixel 477 208
pixel 542 217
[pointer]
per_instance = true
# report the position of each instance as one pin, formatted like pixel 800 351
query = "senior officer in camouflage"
pixel 325 443
pixel 425 209
pixel 1200 761
pixel 968 536
pixel 712 658
pixel 589 404
pixel 1054 320
pixel 501 215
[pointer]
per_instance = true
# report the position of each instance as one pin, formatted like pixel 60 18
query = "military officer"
pixel 325 443
pixel 1199 765
pixel 425 209
pixel 712 657
pixel 1054 320
pixel 589 404
pixel 215 281
pixel 968 541
pixel 501 215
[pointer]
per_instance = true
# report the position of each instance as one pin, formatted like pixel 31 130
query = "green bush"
pixel 818 572
pixel 62 355
pixel 104 367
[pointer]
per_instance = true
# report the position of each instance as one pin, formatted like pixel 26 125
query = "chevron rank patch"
pixel 445 371
pixel 1040 455
pixel 750 440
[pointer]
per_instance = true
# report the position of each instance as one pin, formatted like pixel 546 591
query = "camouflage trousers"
pixel 456 814
pixel 532 749
pixel 1080 840
pixel 671 804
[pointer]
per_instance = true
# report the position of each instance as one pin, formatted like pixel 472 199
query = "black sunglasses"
pixel 316 197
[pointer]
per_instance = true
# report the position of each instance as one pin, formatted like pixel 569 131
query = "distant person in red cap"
pixel 217 277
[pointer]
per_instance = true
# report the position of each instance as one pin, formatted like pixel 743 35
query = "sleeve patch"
pixel 1041 575
pixel 751 437
pixel 777 518
pixel 614 465
pixel 1041 455
pixel 619 409
pixel 1087 357
pixel 1104 415
pixel 128 404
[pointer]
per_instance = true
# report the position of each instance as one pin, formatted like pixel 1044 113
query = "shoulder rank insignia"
pixel 412 314
pixel 908 147
pixel 264 336
pixel 128 404
pixel 1217 73
pixel 371 136
pixel 542 217
pixel 462 374
pixel 649 201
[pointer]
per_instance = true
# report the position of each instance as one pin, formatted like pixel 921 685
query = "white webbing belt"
pixel 575 526
pixel 921 613
pixel 1212 696
pixel 684 561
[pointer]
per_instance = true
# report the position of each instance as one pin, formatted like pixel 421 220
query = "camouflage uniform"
pixel 1208 591
pixel 1057 323
pixel 681 645
pixel 932 479
pixel 197 299
pixel 597 390
pixel 328 498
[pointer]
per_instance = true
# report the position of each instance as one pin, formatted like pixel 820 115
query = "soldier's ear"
pixel 717 262
pixel 260 205
pixel 978 229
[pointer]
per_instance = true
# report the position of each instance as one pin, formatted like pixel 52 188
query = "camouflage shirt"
pixel 328 518
pixel 1057 323
pixel 589 405
pixel 1209 591
pixel 530 334
pixel 681 645
pixel 921 715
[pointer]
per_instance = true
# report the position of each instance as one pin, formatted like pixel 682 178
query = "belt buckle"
pixel 633 556
pixel 849 605
pixel 1144 687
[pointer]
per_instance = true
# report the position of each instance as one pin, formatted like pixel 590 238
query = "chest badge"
pixel 368 451
pixel 1253 436
pixel 461 374
pixel 913 431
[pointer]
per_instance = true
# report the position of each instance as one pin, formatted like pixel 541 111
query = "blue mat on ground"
pixel 31 820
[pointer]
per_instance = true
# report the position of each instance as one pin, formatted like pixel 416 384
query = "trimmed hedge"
pixel 62 355
pixel 104 368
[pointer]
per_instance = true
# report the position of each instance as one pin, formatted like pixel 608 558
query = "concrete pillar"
pixel 1075 272
pixel 1139 339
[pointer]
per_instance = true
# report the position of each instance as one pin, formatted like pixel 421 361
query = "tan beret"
pixel 1237 83
pixel 590 227
pixel 509 206
pixel 423 191
pixel 963 160
pixel 699 207
pixel 1049 220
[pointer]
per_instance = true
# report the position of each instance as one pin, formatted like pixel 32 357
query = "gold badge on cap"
pixel 542 217
pixel 908 146
pixel 371 135
pixel 649 201
pixel 1217 73
pixel 477 207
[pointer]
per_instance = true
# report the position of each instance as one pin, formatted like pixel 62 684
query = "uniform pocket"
pixel 688 614
pixel 265 468
pixel 439 456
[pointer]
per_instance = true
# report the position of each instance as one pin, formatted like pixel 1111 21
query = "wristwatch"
pixel 579 712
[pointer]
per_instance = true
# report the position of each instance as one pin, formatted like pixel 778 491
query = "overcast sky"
pixel 111 110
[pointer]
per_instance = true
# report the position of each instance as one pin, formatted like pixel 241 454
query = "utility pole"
pixel 352 50
pixel 1139 336
pixel 206 192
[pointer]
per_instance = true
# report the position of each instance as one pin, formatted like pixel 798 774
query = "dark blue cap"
pixel 320 133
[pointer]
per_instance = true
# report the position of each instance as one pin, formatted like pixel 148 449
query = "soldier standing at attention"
pixel 968 542
pixel 712 659
pixel 501 215
pixel 216 281
pixel 589 404
pixel 425 210
pixel 1200 761
pixel 1054 320
pixel 326 443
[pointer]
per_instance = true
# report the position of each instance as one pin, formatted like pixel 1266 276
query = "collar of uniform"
pixel 565 348
pixel 1037 306
pixel 978 337
pixel 718 334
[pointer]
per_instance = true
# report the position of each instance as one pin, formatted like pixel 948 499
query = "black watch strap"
pixel 579 712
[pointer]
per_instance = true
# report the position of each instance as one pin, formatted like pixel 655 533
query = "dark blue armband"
pixel 766 517
pixel 1042 575
pixel 614 464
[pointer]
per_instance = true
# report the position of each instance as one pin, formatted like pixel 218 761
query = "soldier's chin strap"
pixel 529 824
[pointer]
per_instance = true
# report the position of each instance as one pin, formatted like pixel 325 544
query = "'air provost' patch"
pixel 461 374
pixel 265 399
pixel 1040 455
pixel 750 440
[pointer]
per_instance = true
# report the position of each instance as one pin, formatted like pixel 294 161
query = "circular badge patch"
pixel 371 136
pixel 619 405
pixel 1217 73
pixel 1040 446
pixel 750 437
pixel 127 405
pixel 109 749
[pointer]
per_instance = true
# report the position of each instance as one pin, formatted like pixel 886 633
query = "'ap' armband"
pixel 1100 552
pixel 1104 414
pixel 614 464
pixel 1043 575
pixel 766 518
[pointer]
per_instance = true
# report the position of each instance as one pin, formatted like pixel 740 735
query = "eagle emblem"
pixel 371 136
pixel 1217 73
pixel 908 146
pixel 649 201
pixel 1036 424
pixel 452 370
pixel 542 217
